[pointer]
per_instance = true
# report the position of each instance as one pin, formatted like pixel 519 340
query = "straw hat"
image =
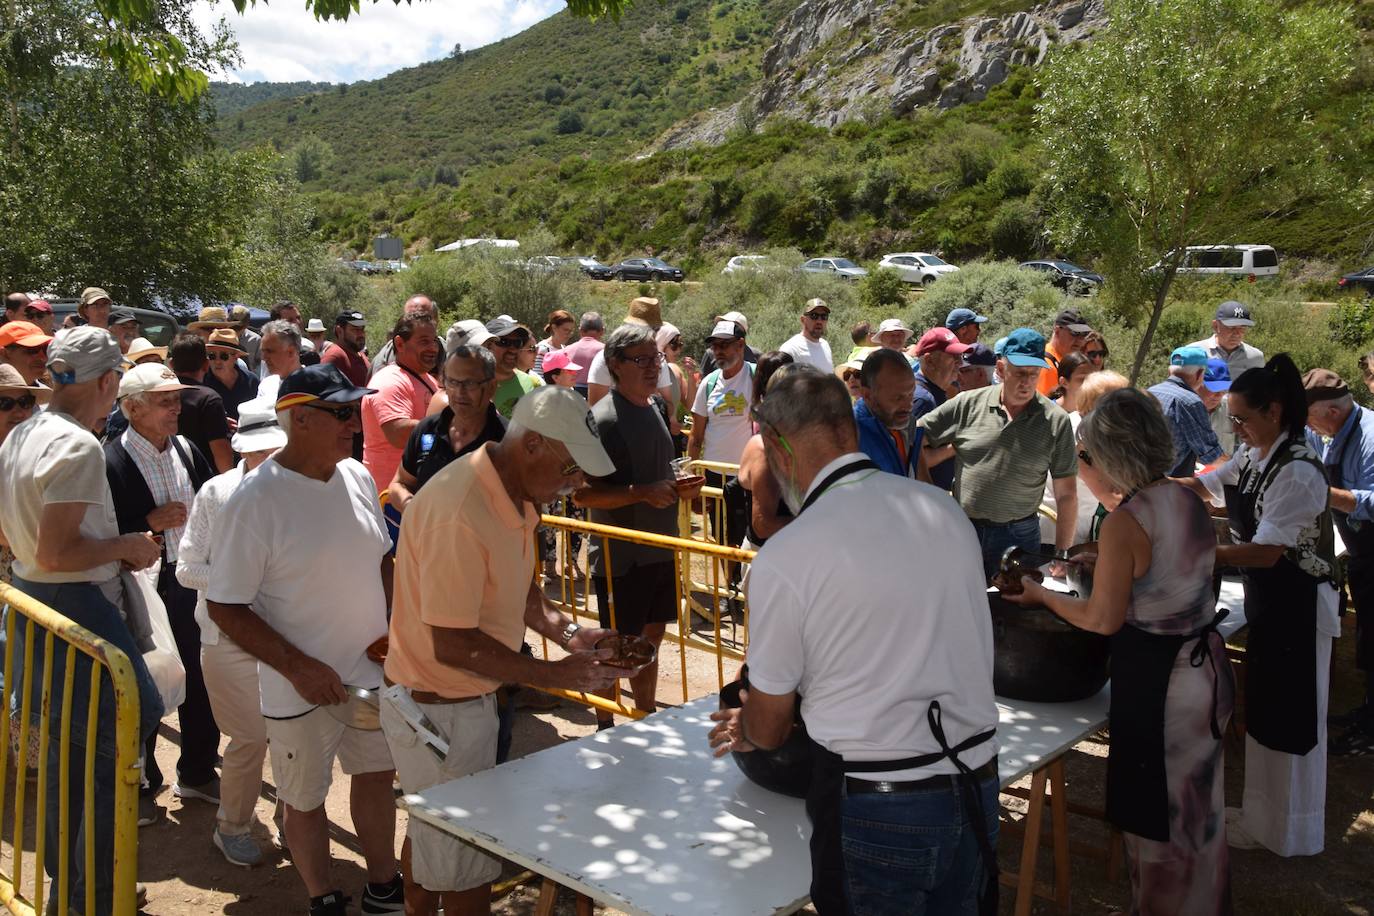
pixel 645 310
pixel 213 317
pixel 224 339
pixel 11 380
pixel 142 348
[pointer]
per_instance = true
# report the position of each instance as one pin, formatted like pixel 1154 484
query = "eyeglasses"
pixel 465 384
pixel 1239 421
pixel 643 362
pixel 509 343
pixel 23 402
pixel 1084 457
pixel 342 414
pixel 220 356
pixel 571 468
pixel 722 343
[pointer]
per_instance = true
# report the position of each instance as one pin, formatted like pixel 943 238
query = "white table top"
pixel 1232 598
pixel 644 819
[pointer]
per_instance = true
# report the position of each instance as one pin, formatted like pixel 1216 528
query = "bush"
pixel 881 289
pixel 1009 296
pixel 1014 229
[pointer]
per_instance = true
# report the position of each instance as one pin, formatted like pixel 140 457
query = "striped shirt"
pixel 167 479
pixel 1001 463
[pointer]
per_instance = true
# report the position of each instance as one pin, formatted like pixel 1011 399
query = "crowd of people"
pixel 232 465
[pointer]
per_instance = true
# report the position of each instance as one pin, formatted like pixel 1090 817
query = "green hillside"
pixel 231 98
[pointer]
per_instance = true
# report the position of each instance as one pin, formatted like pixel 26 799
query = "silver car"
pixel 843 268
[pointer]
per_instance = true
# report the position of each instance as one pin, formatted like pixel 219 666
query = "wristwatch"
pixel 569 632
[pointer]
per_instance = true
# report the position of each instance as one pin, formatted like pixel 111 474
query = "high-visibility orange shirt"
pixel 1049 378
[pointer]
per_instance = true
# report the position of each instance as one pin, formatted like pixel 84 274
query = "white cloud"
pixel 283 41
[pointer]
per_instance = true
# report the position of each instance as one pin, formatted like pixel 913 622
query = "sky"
pixel 283 42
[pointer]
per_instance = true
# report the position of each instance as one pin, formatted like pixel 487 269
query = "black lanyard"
pixel 863 464
pixel 419 378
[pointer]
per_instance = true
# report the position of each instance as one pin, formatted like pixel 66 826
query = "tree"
pixel 1151 130
pixel 311 158
pixel 569 121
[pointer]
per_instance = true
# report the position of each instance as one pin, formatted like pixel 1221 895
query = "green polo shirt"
pixel 1000 464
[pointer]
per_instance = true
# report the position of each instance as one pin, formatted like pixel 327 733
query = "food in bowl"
pixel 634 653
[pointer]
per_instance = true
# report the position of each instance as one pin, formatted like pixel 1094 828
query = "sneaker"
pixel 149 811
pixel 384 898
pixel 333 903
pixel 1237 837
pixel 239 849
pixel 206 791
pixel 1357 741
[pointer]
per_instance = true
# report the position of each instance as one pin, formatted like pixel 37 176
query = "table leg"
pixel 1030 845
pixel 548 897
pixel 1059 820
pixel 584 905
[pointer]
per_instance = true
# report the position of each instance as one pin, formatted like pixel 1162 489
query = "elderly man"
pixel 638 494
pixel 310 633
pixel 281 355
pixel 720 418
pixel 1227 342
pixel 417 306
pixel 350 339
pixel 590 330
pixel 467 422
pixel 403 391
pixel 977 368
pixel 124 328
pixel 508 338
pixel 887 431
pixel 896 690
pixel 1194 440
pixel 249 339
pixel 892 334
pixel 452 644
pixel 1004 439
pixel 1341 432
pixel 227 377
pixel 940 354
pixel 810 346
pixel 59 519
pixel 24 346
pixel 231 674
pixel 966 324
pixel 1070 334
pixel 154 474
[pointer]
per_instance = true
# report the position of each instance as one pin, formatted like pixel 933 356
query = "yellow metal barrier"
pixel 22 892
pixel 699 567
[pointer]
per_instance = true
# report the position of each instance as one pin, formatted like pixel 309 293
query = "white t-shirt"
pixel 306 555
pixel 815 352
pixel 727 415
pixel 193 558
pixel 872 626
pixel 51 458
pixel 598 374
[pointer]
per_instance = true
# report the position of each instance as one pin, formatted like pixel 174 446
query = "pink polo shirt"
pixel 401 395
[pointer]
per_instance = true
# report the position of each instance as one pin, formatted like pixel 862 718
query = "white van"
pixel 1252 262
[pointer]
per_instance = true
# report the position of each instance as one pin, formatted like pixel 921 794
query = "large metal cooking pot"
pixel 1040 658
pixel 786 770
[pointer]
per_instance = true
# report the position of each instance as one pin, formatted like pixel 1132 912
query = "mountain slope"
pixel 231 98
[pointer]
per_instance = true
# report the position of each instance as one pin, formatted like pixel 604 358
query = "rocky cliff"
pixel 836 60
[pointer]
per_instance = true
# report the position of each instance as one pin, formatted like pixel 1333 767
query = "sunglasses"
pixel 31 351
pixel 1095 354
pixel 35 314
pixel 221 357
pixel 342 414
pixel 509 343
pixel 1084 457
pixel 819 316
pixel 1239 421
pixel 23 402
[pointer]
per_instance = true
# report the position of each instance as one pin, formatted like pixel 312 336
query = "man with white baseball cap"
pixel 154 475
pixel 451 645
pixel 59 519
pixel 708 359
pixel 230 673
pixel 1232 321
pixel 892 333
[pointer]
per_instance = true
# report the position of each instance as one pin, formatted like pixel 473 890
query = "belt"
pixel 985 523
pixel 856 786
pixel 434 699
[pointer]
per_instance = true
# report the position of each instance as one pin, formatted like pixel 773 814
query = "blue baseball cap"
pixel 1234 314
pixel 979 355
pixel 958 318
pixel 1188 356
pixel 1218 375
pixel 1025 347
pixel 999 346
pixel 321 382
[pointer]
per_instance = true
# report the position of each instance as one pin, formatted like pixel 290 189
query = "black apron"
pixel 1142 662
pixel 823 800
pixel 1280 652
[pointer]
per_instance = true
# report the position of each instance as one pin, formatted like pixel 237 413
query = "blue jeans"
pixel 995 539
pixel 915 853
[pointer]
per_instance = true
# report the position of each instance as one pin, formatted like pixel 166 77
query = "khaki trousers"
pixel 231 680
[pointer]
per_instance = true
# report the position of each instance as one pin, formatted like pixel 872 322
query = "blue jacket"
pixel 875 441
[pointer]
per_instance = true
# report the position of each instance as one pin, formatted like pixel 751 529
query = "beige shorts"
pixel 440 861
pixel 303 751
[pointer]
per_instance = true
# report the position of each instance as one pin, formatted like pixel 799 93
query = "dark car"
pixel 646 269
pixel 158 327
pixel 1069 277
pixel 590 266
pixel 1359 280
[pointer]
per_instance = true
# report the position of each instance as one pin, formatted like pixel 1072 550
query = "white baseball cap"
pixel 738 318
pixel 147 377
pixel 562 414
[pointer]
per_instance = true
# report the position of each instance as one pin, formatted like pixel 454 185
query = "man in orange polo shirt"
pixel 1070 333
pixel 465 590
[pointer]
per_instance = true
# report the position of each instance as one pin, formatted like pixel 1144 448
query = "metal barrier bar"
pixel 62 634
pixel 683 550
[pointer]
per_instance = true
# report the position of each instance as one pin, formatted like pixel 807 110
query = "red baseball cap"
pixel 940 339
pixel 22 333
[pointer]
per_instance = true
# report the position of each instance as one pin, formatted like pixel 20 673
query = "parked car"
pixel 543 263
pixel 742 263
pixel 590 266
pixel 397 266
pixel 1251 262
pixel 158 327
pixel 916 266
pixel 367 268
pixel 843 268
pixel 1359 280
pixel 1067 276
pixel 646 269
